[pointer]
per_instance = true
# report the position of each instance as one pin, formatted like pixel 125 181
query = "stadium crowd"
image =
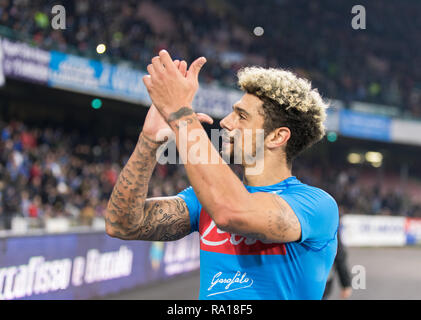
pixel 45 173
pixel 380 64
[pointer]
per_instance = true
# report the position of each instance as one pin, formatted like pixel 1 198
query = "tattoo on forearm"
pixel 130 216
pixel 185 122
pixel 258 236
pixel 182 112
pixel 152 141
pixel 165 219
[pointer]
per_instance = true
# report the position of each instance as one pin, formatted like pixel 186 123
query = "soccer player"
pixel 267 237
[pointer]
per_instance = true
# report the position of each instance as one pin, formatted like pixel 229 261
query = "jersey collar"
pixel 274 187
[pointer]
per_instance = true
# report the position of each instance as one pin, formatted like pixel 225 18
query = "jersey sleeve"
pixel 193 205
pixel 318 214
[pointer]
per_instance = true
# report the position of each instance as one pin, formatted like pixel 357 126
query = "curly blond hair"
pixel 288 101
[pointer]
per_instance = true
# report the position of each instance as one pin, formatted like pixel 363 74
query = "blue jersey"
pixel 235 267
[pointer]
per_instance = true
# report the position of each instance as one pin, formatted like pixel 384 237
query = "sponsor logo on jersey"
pixel 215 240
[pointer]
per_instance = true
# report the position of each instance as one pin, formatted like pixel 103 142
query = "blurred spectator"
pixel 88 213
pixel 340 269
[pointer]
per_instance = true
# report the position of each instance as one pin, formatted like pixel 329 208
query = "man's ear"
pixel 278 138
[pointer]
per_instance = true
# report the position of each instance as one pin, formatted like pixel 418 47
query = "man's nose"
pixel 225 123
pixel 222 123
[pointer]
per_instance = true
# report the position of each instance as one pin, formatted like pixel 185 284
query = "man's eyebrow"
pixel 238 109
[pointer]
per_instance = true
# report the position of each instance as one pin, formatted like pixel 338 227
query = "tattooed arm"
pixel 130 216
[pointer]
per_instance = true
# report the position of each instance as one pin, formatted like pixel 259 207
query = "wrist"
pixel 151 140
pixel 179 113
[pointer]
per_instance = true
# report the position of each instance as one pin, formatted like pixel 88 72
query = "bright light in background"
pixel 376 164
pixel 101 48
pixel 354 158
pixel 372 156
pixel 96 103
pixel 258 31
pixel 375 158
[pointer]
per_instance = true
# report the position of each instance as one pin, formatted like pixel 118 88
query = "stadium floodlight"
pixel 258 31
pixel 355 158
pixel 373 157
pixel 100 49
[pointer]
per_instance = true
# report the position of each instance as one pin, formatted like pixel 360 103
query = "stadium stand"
pixel 46 172
pixel 380 64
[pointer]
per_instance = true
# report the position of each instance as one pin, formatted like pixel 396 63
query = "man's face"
pixel 242 128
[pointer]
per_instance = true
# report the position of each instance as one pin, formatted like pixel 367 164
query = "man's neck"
pixel 273 172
